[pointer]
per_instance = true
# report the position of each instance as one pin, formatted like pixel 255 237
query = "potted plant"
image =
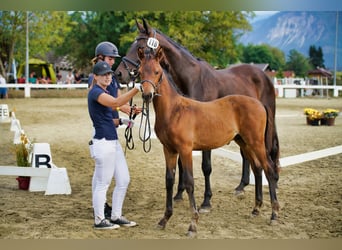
pixel 329 116
pixel 22 151
pixel 313 116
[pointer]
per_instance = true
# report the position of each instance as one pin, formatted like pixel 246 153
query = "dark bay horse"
pixel 198 80
pixel 182 126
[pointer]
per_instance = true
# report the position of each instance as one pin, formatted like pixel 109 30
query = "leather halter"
pixel 127 61
pixel 155 86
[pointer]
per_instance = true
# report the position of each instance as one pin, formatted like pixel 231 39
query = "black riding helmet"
pixel 106 49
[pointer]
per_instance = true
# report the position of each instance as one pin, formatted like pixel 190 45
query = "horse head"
pixel 127 70
pixel 150 71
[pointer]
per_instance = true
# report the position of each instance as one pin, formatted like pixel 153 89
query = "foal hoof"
pixel 274 222
pixel 191 234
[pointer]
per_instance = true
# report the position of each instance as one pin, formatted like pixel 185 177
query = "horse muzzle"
pixel 147 97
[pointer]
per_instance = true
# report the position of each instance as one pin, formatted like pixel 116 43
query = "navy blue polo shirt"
pixel 101 116
pixel 112 89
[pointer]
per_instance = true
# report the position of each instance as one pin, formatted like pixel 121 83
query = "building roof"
pixel 320 72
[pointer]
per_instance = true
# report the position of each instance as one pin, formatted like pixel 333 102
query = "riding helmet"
pixel 106 49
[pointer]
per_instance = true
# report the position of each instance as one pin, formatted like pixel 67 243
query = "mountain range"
pixel 287 30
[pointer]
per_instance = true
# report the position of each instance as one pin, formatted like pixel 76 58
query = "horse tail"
pixel 271 139
pixel 269 100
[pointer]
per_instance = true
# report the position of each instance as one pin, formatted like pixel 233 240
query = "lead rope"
pixel 146 137
pixel 129 130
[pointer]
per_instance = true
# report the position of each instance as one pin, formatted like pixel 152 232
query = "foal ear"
pixel 160 54
pixel 141 53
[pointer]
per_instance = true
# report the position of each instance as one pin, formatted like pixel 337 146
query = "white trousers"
pixel 109 162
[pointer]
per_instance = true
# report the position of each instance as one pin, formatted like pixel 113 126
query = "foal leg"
pixel 170 159
pixel 258 190
pixel 180 187
pixel 239 190
pixel 272 178
pixel 206 169
pixel 186 159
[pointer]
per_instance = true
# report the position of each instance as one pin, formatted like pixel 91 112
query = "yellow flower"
pixel 330 113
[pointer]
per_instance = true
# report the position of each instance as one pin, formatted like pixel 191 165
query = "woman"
pixel 107 52
pixel 106 149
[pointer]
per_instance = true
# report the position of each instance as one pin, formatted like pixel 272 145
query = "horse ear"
pixel 147 27
pixel 139 25
pixel 141 53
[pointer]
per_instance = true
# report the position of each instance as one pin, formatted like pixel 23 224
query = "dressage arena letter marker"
pixel 41 155
pixel 44 162
pixel 4 113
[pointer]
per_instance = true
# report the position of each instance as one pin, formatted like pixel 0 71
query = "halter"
pixel 155 86
pixel 152 43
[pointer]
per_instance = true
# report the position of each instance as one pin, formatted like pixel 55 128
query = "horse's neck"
pixel 167 97
pixel 184 67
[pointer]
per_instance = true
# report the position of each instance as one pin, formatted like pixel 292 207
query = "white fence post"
pixel 27 91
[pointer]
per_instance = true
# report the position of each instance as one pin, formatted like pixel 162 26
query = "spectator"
pixel 3 89
pixel 70 78
pixel 33 78
pixel 78 78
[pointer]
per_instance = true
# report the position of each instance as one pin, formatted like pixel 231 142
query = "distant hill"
pixel 299 30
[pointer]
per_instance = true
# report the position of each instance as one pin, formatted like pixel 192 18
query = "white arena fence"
pixel 287 90
pixel 28 86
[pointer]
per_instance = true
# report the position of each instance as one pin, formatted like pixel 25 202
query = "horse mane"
pixel 166 70
pixel 178 46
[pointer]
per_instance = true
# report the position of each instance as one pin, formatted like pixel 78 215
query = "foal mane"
pixel 150 54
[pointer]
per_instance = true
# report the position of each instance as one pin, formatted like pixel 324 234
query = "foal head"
pixel 151 72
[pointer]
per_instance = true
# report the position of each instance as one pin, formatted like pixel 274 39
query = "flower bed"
pixel 325 117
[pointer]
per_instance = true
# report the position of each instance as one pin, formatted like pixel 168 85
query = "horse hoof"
pixel 178 198
pixel 191 234
pixel 240 194
pixel 204 210
pixel 255 213
pixel 160 227
pixel 274 222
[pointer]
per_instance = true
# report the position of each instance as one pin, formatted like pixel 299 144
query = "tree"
pixel 298 63
pixel 11 28
pixel 46 32
pixel 316 56
pixel 210 35
pixel 263 54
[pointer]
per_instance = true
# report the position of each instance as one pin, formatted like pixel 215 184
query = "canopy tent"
pixel 40 67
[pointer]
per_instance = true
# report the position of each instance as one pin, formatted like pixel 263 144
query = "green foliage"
pixel 210 35
pixel 298 63
pixel 316 56
pixel 47 30
pixel 22 155
pixel 264 54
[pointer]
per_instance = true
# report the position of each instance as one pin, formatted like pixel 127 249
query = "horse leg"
pixel 206 169
pixel 186 159
pixel 275 157
pixel 180 187
pixel 171 160
pixel 272 178
pixel 239 190
pixel 258 189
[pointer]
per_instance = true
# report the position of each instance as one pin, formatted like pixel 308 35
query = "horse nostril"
pixel 147 96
